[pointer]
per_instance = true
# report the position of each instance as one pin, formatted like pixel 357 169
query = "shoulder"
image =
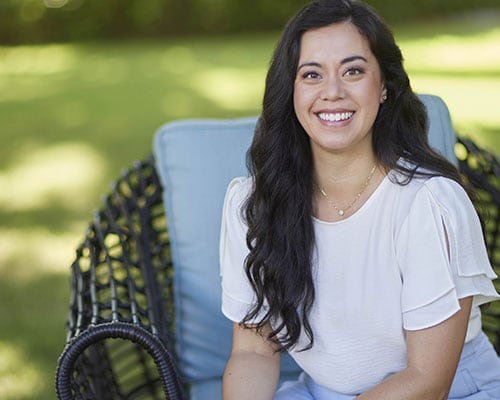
pixel 239 189
pixel 237 192
pixel 454 205
pixel 445 193
pixel 442 195
pixel 441 189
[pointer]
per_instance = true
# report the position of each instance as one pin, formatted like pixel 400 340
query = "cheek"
pixel 300 100
pixel 371 96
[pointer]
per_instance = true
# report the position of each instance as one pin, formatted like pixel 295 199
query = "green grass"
pixel 73 115
pixel 460 61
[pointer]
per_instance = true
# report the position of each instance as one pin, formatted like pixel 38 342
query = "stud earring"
pixel 384 97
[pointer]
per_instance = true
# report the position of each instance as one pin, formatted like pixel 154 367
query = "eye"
pixel 354 71
pixel 312 75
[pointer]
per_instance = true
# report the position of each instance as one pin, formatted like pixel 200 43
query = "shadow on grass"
pixel 59 219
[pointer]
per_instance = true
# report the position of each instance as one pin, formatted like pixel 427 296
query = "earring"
pixel 384 97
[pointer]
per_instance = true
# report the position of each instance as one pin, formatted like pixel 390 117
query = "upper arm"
pixel 252 371
pixel 247 340
pixel 435 351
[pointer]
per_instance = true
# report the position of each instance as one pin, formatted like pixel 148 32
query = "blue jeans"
pixel 477 378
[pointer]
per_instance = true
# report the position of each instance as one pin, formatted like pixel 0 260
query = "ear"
pixel 383 95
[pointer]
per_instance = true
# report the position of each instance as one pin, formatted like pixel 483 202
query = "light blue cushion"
pixel 196 160
pixel 442 136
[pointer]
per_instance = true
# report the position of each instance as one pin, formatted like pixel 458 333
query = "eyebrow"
pixel 344 61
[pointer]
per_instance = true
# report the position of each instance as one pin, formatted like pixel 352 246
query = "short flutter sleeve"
pixel 441 255
pixel 237 294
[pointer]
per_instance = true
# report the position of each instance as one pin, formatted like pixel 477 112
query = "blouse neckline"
pixel 362 209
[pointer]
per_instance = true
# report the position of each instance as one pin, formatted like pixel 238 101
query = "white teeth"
pixel 335 117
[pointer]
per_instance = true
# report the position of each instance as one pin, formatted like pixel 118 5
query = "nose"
pixel 332 89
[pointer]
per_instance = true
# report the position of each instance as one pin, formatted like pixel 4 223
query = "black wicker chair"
pixel 120 342
pixel 121 339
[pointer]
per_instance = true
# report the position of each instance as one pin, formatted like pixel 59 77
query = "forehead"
pixel 336 40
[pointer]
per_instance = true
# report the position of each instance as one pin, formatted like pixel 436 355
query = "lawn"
pixel 73 115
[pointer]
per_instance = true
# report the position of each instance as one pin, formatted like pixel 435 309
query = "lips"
pixel 335 116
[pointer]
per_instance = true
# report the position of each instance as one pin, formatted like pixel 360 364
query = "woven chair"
pixel 126 338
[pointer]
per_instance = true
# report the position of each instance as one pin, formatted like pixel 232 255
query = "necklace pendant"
pixel 340 211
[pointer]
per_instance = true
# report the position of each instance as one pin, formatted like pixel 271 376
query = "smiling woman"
pixel 50 103
pixel 343 70
pixel 353 245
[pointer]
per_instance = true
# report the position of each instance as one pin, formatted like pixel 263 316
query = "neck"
pixel 342 188
pixel 337 176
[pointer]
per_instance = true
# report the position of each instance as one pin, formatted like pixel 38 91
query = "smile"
pixel 336 117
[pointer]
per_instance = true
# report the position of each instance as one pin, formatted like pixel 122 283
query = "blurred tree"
pixel 24 21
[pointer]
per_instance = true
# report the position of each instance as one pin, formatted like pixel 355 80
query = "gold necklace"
pixel 342 211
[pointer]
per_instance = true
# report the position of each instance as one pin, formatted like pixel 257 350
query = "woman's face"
pixel 338 89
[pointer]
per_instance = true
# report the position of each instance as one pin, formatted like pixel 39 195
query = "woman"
pixel 353 245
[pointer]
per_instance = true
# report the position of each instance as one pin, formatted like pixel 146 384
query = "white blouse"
pixel 401 262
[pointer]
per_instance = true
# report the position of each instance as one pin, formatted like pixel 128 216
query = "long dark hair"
pixel 278 211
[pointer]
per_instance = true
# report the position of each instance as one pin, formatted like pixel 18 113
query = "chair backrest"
pixel 196 160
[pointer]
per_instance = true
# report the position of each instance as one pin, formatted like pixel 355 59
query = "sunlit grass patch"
pixel 472 55
pixel 19 378
pixel 472 103
pixel 38 60
pixel 25 253
pixel 464 69
pixel 231 89
pixel 62 174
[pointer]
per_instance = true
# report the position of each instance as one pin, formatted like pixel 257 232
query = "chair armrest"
pixel 120 331
pixel 86 365
pixel 481 170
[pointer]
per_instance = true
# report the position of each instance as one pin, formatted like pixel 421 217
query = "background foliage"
pixel 23 21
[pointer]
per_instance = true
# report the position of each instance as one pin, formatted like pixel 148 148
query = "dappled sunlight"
pixel 453 53
pixel 39 248
pixel 470 101
pixel 28 72
pixel 232 89
pixel 18 377
pixel 464 71
pixel 62 174
pixel 26 89
pixel 33 72
pixel 37 60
